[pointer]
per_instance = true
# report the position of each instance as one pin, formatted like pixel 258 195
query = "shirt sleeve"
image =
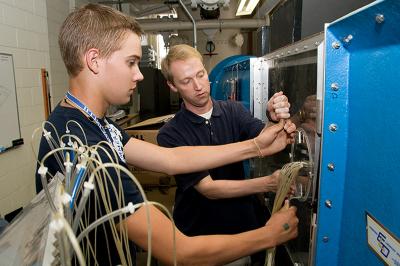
pixel 131 192
pixel 250 126
pixel 125 136
pixel 170 138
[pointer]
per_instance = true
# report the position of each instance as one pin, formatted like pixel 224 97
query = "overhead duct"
pixel 170 25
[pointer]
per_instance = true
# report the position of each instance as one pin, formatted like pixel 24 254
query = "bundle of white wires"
pixel 288 174
pixel 86 174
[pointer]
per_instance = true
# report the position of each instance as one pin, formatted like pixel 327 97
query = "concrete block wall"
pixel 28 31
pixel 24 34
pixel 57 11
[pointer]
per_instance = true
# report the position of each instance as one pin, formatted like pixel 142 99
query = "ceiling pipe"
pixel 193 22
pixel 149 10
pixel 171 25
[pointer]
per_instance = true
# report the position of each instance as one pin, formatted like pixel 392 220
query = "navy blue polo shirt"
pixel 194 214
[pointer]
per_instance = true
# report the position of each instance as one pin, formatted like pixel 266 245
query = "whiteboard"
pixel 10 133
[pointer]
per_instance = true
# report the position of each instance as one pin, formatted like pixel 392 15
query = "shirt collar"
pixel 194 118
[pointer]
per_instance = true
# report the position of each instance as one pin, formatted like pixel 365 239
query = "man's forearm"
pixel 186 159
pixel 189 159
pixel 222 249
pixel 212 249
pixel 220 189
pixel 197 250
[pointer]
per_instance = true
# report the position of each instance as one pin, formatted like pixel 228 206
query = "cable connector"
pixel 68 164
pixel 79 166
pixel 65 198
pixel 42 170
pixel 57 225
pixel 93 153
pixel 81 149
pixel 46 134
pixel 83 156
pixel 70 143
pixel 88 185
pixel 130 208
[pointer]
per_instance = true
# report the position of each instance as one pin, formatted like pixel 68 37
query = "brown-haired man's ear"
pixel 91 57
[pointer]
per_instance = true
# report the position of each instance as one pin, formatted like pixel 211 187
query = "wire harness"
pixel 92 185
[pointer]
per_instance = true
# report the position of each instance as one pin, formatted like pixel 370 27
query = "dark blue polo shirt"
pixel 105 249
pixel 195 214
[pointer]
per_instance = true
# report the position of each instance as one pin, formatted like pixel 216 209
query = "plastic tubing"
pixel 105 218
pixel 64 226
pixel 114 158
pixel 129 208
pixel 126 171
pixel 79 125
pixel 53 143
pixel 86 192
pixel 43 174
pixel 76 185
pixel 310 159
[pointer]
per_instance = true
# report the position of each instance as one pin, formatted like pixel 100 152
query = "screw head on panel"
pixel 331 166
pixel 333 127
pixel 335 45
pixel 335 86
pixel 325 239
pixel 380 18
pixel 348 38
pixel 328 203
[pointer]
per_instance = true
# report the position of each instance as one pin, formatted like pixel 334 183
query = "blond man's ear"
pixel 172 86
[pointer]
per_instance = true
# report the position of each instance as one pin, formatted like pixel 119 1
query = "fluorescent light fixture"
pixel 246 7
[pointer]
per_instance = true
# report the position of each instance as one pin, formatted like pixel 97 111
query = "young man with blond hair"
pixel 101 50
pixel 220 200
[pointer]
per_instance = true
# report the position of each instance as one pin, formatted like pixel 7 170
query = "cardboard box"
pixel 147 130
pixel 165 198
pixel 152 179
pixel 158 185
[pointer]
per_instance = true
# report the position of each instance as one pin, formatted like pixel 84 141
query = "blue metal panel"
pixel 365 147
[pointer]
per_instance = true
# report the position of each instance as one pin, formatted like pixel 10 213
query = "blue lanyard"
pixel 114 132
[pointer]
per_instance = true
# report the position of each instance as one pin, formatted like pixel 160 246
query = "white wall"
pixel 57 11
pixel 28 31
pixel 23 33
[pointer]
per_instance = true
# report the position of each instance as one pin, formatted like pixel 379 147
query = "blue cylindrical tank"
pixel 230 74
